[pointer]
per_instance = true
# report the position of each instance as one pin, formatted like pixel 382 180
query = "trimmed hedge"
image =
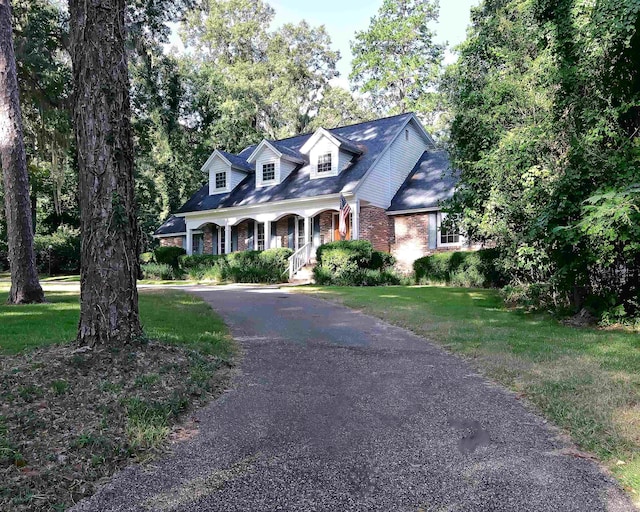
pixel 169 255
pixel 268 266
pixel 353 263
pixel 469 269
pixel 158 271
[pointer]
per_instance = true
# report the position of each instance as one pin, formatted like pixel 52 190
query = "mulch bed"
pixel 70 418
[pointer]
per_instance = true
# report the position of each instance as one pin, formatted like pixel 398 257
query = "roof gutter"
pixel 414 210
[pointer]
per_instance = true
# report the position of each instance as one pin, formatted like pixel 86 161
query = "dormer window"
pixel 221 180
pixel 324 163
pixel 268 172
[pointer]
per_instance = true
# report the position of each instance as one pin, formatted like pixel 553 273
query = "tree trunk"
pixel 25 287
pixel 109 298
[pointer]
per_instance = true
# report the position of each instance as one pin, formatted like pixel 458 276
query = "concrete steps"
pixel 304 275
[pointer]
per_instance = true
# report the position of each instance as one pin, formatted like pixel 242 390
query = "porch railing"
pixel 299 259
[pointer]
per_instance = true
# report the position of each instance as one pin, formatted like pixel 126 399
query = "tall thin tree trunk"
pixel 25 287
pixel 109 298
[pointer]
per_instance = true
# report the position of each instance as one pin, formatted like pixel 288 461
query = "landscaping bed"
pixel 71 417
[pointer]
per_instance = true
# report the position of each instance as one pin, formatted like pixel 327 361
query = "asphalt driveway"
pixel 333 410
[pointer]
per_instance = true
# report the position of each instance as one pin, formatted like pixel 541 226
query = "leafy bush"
pixel 353 263
pixel 158 271
pixel 4 255
pixel 469 269
pixel 169 255
pixel 147 257
pixel 63 246
pixel 268 266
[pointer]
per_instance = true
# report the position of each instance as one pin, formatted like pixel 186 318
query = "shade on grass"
pixel 167 315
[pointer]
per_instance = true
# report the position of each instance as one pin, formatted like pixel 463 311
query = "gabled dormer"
pixel 226 171
pixel 273 163
pixel 329 154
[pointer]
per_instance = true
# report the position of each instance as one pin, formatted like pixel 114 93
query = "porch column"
pixel 189 244
pixel 227 238
pixel 355 228
pixel 267 234
pixel 307 229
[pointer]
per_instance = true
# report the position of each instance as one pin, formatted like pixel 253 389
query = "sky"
pixel 343 18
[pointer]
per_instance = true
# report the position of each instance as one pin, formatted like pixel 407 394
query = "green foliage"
pixel 159 272
pixel 62 248
pixel 545 133
pixel 147 257
pixel 169 255
pixel 353 263
pixel 268 266
pixel 4 255
pixel 396 60
pixel 468 269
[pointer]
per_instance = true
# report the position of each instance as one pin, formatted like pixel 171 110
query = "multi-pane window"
pixel 222 233
pixel 221 180
pixel 301 240
pixel 197 243
pixel 268 172
pixel 324 163
pixel 261 236
pixel 448 233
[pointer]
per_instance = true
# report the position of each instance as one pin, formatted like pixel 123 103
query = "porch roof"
pixel 173 225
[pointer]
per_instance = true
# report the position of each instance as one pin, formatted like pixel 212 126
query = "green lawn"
pixel 166 315
pixel 585 380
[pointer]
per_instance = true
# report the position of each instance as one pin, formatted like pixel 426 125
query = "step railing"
pixel 299 259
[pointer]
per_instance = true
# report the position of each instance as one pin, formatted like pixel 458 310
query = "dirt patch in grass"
pixel 70 418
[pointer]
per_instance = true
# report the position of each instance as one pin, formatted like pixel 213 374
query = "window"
pixel 268 172
pixel 197 242
pixel 221 180
pixel 301 241
pixel 324 163
pixel 448 233
pixel 222 233
pixel 261 236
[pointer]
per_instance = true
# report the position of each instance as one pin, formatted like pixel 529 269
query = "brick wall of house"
pixel 282 231
pixel 410 240
pixel 325 227
pixel 376 226
pixel 171 241
pixel 242 235
pixel 207 232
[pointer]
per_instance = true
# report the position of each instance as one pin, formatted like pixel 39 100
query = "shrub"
pixel 200 260
pixel 146 257
pixel 158 271
pixel 169 255
pixel 353 263
pixel 4 255
pixel 64 252
pixel 469 269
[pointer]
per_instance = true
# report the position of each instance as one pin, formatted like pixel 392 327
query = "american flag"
pixel 345 210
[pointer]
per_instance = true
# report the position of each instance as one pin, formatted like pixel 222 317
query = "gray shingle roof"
pixel 432 180
pixel 238 162
pixel 371 137
pixel 171 226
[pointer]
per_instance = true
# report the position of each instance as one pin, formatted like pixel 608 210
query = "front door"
pixel 336 228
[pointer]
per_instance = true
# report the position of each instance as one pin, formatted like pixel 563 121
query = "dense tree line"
pixel 545 105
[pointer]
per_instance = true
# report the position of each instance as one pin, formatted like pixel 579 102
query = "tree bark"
pixel 25 287
pixel 109 263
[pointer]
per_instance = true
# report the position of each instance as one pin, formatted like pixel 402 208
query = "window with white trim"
pixel 260 236
pixel 447 234
pixel 197 243
pixel 324 163
pixel 268 171
pixel 221 180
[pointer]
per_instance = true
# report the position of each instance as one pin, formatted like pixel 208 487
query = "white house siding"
pixel 236 178
pixel 267 156
pixel 217 166
pixel 392 169
pixel 285 169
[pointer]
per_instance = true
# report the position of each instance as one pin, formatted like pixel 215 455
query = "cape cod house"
pixel 286 193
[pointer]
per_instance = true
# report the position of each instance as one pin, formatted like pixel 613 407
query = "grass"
pixel 585 380
pixel 107 406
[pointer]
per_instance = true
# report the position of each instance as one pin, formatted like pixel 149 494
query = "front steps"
pixel 304 275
